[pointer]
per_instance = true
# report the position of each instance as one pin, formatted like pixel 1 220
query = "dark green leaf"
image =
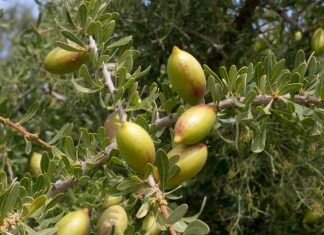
pixel 30 112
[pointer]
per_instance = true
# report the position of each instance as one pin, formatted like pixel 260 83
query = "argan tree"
pixel 214 126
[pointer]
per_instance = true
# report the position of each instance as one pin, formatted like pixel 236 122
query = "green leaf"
pixel 250 97
pixel 69 147
pixel 12 196
pixel 120 42
pixel 194 217
pixel 30 112
pixel 177 214
pixel 44 162
pixel 142 212
pixel 83 14
pixel 162 163
pixel 28 146
pixel 300 57
pixel 68 47
pixel 197 227
pixel 84 72
pixel 69 19
pixel 72 37
pixel 36 204
pixel 83 89
pixel 291 87
pixel 47 231
pixel 259 138
pixel 209 72
pixel 64 131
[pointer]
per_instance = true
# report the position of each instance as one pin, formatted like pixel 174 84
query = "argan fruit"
pixel 60 61
pixel 150 225
pixel 113 216
pixel 112 125
pixel 112 200
pixel 318 41
pixel 192 159
pixel 298 36
pixel 74 223
pixel 313 215
pixel 35 162
pixel 136 146
pixel 187 76
pixel 194 124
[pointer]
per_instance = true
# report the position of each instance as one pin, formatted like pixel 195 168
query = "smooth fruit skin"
pixel 194 124
pixel 150 225
pixel 136 146
pixel 112 125
pixel 114 215
pixel 187 76
pixel 318 40
pixel 311 216
pixel 35 163
pixel 192 159
pixel 112 200
pixel 298 36
pixel 74 223
pixel 60 61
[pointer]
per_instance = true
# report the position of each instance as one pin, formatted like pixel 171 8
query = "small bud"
pixel 318 41
pixel 192 159
pixel 35 163
pixel 60 61
pixel 194 124
pixel 112 200
pixel 150 225
pixel 112 125
pixel 74 223
pixel 136 146
pixel 187 76
pixel 113 216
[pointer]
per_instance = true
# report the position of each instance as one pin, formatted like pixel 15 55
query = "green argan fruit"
pixel 192 159
pixel 113 216
pixel 313 215
pixel 35 163
pixel 318 41
pixel 194 124
pixel 60 61
pixel 298 36
pixel 112 125
pixel 112 200
pixel 74 223
pixel 187 76
pixel 136 146
pixel 150 225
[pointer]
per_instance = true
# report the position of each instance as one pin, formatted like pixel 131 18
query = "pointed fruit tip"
pixel 175 50
pixel 85 210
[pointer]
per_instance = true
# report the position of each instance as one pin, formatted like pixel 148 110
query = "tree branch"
pixel 26 133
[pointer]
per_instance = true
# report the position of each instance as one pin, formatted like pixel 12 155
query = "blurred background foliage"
pixel 247 193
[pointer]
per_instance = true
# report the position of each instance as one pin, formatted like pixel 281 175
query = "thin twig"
pixel 26 133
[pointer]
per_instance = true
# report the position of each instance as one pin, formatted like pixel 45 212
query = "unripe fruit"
pixel 192 159
pixel 74 223
pixel 112 200
pixel 194 124
pixel 114 215
pixel 112 125
pixel 298 36
pixel 60 61
pixel 136 146
pixel 313 215
pixel 150 225
pixel 187 76
pixel 35 163
pixel 318 41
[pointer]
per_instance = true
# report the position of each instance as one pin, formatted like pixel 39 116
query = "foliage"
pixel 265 153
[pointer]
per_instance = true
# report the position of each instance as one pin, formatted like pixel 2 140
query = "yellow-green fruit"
pixel 192 159
pixel 298 36
pixel 60 61
pixel 150 225
pixel 187 76
pixel 114 215
pixel 135 145
pixel 318 40
pixel 112 125
pixel 35 162
pixel 74 223
pixel 112 200
pixel 194 124
pixel 312 215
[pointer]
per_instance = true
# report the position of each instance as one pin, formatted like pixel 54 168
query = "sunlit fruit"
pixel 150 225
pixel 35 162
pixel 318 40
pixel 298 36
pixel 194 124
pixel 74 223
pixel 60 61
pixel 112 200
pixel 192 159
pixel 136 146
pixel 187 76
pixel 112 124
pixel 113 216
